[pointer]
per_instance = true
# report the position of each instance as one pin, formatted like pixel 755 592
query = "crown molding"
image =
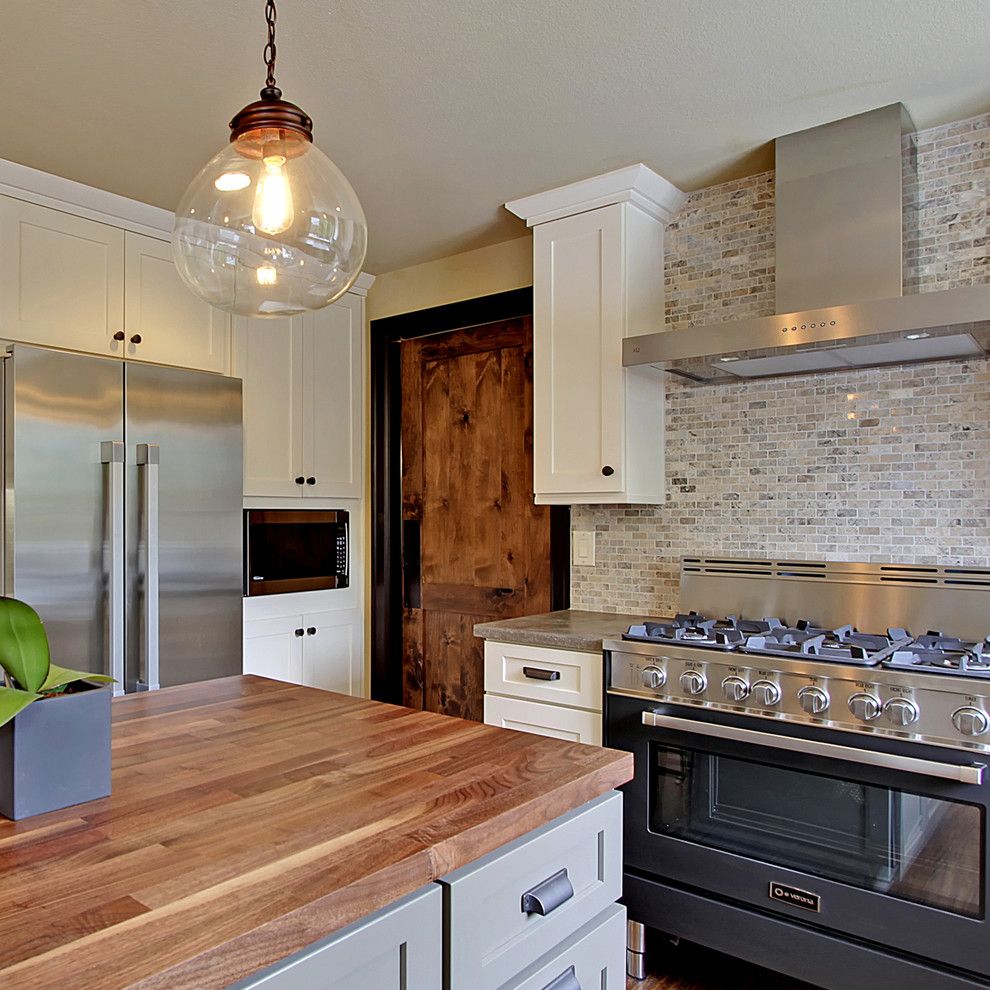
pixel 647 190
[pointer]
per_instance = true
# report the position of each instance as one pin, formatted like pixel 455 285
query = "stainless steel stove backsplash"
pixel 890 464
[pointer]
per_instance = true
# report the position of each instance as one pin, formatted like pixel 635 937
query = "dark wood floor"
pixel 689 967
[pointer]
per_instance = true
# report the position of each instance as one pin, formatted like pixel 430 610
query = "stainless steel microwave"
pixel 289 550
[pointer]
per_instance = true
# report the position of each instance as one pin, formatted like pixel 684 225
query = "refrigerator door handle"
pixel 112 456
pixel 147 459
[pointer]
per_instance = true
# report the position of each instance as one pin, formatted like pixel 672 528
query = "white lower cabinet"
pixel 317 649
pixel 544 720
pixel 546 691
pixel 397 948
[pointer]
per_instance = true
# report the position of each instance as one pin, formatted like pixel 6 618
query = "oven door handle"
pixel 968 773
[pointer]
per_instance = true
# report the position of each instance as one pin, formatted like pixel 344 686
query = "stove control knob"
pixel 694 682
pixel 766 693
pixel 735 688
pixel 813 700
pixel 970 721
pixel 901 711
pixel 654 677
pixel 866 707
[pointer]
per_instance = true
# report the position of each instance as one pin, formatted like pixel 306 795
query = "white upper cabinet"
pixel 164 321
pixel 333 393
pixel 268 356
pixel 72 282
pixel 597 278
pixel 303 402
pixel 61 279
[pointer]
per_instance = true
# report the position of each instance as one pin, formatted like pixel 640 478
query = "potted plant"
pixel 54 722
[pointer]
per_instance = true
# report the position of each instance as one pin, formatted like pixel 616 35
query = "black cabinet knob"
pixel 608 470
pixel 136 339
pixel 311 631
pixel 298 632
pixel 311 481
pixel 300 480
pixel 119 335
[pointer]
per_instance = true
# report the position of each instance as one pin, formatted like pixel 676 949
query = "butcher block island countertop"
pixel 250 818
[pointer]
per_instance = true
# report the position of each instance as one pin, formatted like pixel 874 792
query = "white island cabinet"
pixel 598 249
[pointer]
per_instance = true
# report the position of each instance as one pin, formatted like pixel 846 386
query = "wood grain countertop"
pixel 250 818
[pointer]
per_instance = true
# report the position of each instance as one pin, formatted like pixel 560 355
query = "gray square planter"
pixel 56 753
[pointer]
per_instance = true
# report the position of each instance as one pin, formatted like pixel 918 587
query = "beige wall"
pixel 482 272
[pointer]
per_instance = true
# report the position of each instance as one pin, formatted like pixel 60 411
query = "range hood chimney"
pixel 840 218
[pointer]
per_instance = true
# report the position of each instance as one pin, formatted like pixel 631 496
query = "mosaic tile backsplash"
pixel 880 464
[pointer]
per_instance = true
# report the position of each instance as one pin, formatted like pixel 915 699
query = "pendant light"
pixel 270 227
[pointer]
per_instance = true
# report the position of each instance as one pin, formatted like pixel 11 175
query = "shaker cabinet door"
pixel 274 648
pixel 334 401
pixel 577 355
pixel 268 356
pixel 164 321
pixel 331 659
pixel 61 279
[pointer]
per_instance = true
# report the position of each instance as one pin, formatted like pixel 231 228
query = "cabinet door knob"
pixel 298 632
pixel 119 335
pixel 311 631
pixel 311 481
pixel 136 339
pixel 608 470
pixel 300 480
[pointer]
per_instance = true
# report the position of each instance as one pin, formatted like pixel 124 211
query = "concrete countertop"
pixel 570 629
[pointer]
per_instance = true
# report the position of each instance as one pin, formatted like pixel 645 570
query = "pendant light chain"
pixel 270 16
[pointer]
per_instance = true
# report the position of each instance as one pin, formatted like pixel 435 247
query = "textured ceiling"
pixel 439 111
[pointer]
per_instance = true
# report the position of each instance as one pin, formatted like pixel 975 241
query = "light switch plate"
pixel 583 548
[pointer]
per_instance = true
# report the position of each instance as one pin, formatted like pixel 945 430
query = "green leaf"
pixel 60 676
pixel 23 644
pixel 12 701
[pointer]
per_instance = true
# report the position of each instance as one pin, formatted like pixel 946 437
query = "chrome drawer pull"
pixel 966 773
pixel 539 674
pixel 547 896
pixel 566 981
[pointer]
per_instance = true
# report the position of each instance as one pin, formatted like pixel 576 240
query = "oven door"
pixel 882 840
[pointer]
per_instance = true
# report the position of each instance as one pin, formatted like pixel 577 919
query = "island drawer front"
pixel 562 677
pixel 399 947
pixel 542 719
pixel 594 956
pixel 490 937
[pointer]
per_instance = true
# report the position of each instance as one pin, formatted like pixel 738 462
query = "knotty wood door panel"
pixel 483 546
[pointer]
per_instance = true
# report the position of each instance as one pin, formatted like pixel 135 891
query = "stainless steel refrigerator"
pixel 122 514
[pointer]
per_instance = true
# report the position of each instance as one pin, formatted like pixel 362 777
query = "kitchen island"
pixel 251 818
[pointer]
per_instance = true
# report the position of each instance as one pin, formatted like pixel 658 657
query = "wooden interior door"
pixel 475 546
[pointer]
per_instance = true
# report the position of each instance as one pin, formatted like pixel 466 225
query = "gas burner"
pixel 843 645
pixel 694 629
pixel 936 653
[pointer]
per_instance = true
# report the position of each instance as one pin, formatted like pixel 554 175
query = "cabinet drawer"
pixel 397 948
pixel 543 719
pixel 563 677
pixel 491 937
pixel 593 958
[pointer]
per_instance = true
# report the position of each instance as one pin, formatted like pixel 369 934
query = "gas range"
pixel 932 688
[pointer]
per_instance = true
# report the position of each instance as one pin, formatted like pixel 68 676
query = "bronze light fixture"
pixel 270 226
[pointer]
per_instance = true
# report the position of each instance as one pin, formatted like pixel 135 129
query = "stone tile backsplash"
pixel 879 464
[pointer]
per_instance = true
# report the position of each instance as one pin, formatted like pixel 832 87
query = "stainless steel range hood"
pixel 840 223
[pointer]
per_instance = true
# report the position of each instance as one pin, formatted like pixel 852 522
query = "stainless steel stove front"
pixel 929 708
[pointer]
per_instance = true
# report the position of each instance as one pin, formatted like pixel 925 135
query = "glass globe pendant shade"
pixel 270 227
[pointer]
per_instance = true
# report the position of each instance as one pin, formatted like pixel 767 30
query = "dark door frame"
pixel 386 475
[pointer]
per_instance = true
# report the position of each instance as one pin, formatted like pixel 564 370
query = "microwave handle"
pixel 967 773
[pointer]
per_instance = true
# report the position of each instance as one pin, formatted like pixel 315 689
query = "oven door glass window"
pixel 911 846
